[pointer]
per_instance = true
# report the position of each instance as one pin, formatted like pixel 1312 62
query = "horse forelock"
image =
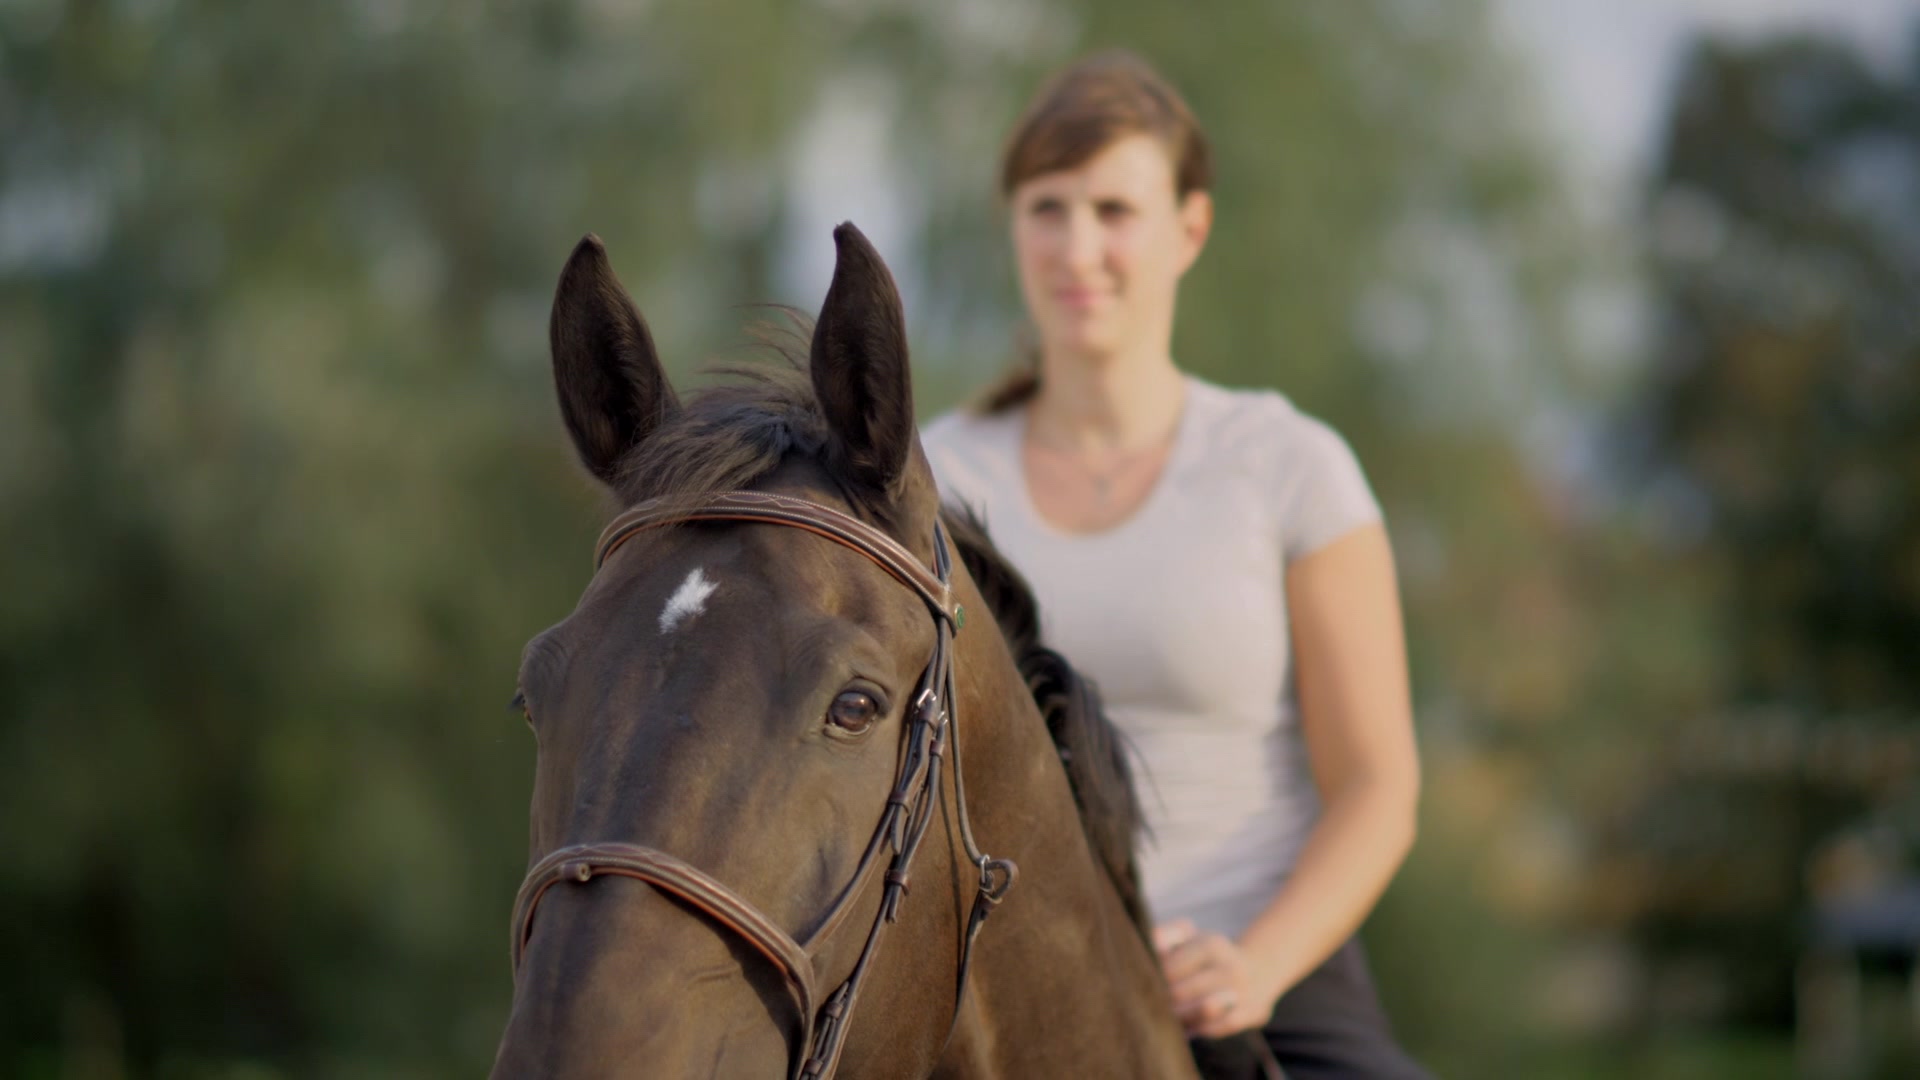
pixel 732 434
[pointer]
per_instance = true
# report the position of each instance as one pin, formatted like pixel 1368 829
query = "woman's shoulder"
pixel 1263 423
pixel 970 452
pixel 956 426
pixel 1317 487
pixel 965 432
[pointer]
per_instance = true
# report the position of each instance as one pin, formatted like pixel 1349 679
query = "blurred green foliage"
pixel 282 487
pixel 1777 435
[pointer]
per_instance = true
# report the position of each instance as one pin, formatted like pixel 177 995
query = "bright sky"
pixel 1605 69
pixel 1605 66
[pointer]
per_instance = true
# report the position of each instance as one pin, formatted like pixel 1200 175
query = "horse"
pixel 762 697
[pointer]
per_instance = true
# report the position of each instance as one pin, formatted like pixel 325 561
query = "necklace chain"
pixel 1103 479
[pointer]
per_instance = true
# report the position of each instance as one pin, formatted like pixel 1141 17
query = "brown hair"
pixel 1095 101
pixel 1080 111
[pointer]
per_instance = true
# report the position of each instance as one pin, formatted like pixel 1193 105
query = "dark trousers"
pixel 1329 1025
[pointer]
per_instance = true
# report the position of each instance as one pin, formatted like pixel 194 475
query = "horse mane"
pixel 1090 747
pixel 729 435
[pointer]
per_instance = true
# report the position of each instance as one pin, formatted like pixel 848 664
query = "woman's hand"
pixel 1216 991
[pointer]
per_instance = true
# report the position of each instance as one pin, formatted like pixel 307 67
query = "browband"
pixel 835 525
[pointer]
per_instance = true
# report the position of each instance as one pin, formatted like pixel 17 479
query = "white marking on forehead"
pixel 688 600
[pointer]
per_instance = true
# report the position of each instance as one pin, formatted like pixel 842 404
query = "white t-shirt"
pixel 1179 615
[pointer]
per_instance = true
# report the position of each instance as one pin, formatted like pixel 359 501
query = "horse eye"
pixel 853 712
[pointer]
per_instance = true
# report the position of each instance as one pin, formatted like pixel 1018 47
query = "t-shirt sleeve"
pixel 1325 494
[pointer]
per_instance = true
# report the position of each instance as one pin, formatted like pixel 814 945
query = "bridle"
pixel 932 719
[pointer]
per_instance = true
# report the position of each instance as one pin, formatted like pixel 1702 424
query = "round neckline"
pixel 1177 453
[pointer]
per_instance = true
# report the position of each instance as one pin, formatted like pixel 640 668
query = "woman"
pixel 1215 561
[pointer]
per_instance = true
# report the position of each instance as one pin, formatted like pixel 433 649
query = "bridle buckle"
pixel 996 878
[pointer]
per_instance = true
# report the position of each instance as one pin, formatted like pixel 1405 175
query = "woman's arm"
pixel 1357 718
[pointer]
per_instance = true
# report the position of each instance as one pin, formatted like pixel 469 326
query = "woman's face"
pixel 1101 249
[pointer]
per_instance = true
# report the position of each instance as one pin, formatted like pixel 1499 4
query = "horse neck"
pixel 1063 984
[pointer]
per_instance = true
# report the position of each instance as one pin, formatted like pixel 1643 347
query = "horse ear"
pixel 859 364
pixel 613 392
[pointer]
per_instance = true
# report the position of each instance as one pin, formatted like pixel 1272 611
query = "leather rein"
pixel 932 722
